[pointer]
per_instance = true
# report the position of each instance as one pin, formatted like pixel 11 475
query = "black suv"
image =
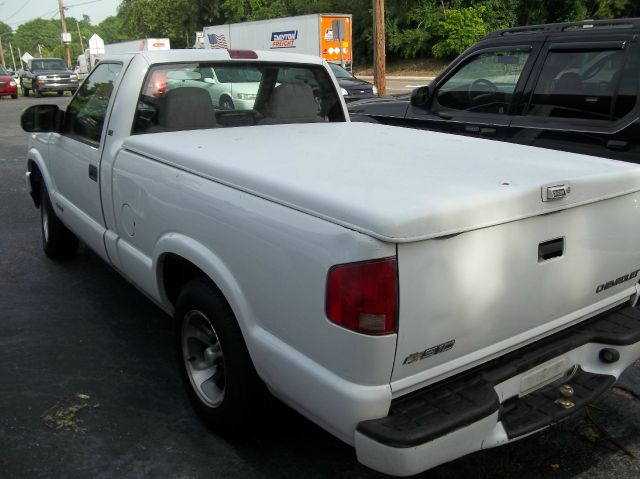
pixel 48 74
pixel 568 86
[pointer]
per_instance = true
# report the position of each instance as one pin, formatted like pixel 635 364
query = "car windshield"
pixel 340 72
pixel 48 64
pixel 3 71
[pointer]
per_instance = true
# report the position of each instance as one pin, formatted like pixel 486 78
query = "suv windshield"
pixel 48 64
pixel 340 72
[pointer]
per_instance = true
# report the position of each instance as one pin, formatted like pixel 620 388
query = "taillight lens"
pixel 363 296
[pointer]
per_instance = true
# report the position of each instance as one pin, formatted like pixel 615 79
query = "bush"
pixel 459 30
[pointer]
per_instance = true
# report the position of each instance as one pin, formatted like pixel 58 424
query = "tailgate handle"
pixel 550 249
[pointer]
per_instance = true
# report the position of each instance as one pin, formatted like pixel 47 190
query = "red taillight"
pixel 364 296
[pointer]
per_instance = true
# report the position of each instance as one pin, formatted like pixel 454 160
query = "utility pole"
pixel 13 59
pixel 1 52
pixel 65 35
pixel 379 66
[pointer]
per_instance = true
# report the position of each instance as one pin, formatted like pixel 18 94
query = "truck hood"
pixel 394 184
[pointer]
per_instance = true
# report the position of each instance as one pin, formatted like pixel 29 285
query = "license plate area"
pixel 543 375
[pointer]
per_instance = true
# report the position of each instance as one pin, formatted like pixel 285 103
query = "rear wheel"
pixel 57 241
pixel 60 93
pixel 214 363
pixel 25 91
pixel 15 97
pixel 36 92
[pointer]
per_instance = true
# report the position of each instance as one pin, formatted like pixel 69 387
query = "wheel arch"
pixel 181 259
pixel 225 96
pixel 37 175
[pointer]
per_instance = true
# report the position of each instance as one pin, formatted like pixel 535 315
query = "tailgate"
pixel 467 298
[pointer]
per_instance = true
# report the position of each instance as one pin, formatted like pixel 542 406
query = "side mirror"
pixel 420 96
pixel 42 119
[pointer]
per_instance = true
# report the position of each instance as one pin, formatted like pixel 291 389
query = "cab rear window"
pixel 191 96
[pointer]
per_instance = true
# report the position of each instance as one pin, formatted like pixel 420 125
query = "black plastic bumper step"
pixel 552 404
pixel 464 399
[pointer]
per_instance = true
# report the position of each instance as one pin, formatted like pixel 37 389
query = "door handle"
pixel 472 129
pixel 93 173
pixel 487 131
pixel 618 145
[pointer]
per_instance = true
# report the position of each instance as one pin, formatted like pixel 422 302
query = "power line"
pixel 19 10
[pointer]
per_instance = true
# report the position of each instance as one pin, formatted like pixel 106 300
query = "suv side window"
pixel 484 84
pixel 86 113
pixel 627 96
pixel 582 85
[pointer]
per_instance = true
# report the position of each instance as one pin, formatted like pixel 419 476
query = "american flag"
pixel 217 41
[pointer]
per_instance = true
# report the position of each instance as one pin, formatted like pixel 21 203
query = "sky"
pixel 16 12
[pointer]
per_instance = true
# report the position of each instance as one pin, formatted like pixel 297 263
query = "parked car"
pixel 352 88
pixel 568 86
pixel 48 74
pixel 8 85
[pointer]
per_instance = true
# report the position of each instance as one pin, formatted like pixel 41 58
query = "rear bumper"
pixel 503 400
pixel 8 90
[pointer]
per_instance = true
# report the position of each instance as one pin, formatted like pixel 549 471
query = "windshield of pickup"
pixel 188 96
pixel 48 64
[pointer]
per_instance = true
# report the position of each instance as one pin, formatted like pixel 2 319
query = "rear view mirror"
pixel 420 96
pixel 41 119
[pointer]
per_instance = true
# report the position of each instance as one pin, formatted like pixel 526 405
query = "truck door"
pixel 583 98
pixel 476 97
pixel 75 156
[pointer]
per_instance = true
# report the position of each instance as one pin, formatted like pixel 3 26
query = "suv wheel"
pixel 25 90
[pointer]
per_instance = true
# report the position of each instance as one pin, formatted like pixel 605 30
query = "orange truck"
pixel 327 35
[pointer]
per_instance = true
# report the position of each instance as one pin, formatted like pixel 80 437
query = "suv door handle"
pixel 93 172
pixel 618 145
pixel 487 131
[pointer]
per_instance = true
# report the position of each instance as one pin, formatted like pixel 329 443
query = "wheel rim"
pixel 45 223
pixel 203 358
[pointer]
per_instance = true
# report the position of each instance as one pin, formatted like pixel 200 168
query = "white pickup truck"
pixel 419 295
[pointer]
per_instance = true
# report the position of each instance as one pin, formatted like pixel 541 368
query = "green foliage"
pixel 111 30
pixel 414 28
pixel 459 30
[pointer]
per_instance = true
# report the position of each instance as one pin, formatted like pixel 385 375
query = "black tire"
pixel 214 363
pixel 60 93
pixel 15 97
pixel 36 92
pixel 57 241
pixel 226 103
pixel 25 91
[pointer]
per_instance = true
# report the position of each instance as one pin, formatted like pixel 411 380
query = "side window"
pixel 628 89
pixel 582 84
pixel 86 113
pixel 484 84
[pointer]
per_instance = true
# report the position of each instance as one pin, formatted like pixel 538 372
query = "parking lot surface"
pixel 88 385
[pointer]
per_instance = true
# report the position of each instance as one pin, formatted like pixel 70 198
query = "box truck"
pixel 91 56
pixel 327 35
pixel 138 45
